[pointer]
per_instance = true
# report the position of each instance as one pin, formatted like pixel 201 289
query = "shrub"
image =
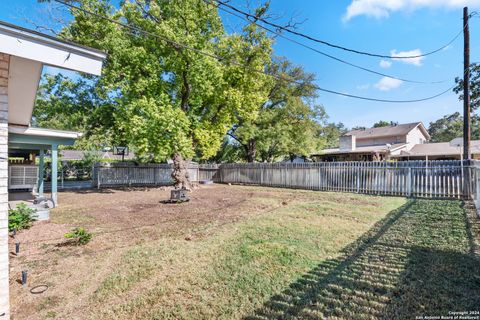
pixel 80 235
pixel 21 217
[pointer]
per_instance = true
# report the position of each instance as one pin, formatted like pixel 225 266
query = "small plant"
pixel 21 217
pixel 79 235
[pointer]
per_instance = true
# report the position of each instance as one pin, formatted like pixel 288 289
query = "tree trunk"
pixel 251 150
pixel 186 90
pixel 180 172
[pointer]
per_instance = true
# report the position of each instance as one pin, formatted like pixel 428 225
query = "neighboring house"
pixel 71 155
pixel 296 159
pixel 23 53
pixel 376 144
pixel 439 151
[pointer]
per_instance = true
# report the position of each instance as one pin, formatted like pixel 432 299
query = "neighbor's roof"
pixel 398 130
pixel 79 155
pixel 439 149
pixel 367 149
pixel 42 132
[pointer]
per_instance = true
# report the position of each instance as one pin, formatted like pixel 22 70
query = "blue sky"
pixel 370 25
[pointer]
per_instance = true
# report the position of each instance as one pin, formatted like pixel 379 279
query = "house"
pixel 376 144
pixel 23 53
pixel 75 155
pixel 439 151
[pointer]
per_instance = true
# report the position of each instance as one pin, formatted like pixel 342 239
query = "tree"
pixel 170 101
pixel 474 86
pixel 289 131
pixel 229 152
pixel 450 127
pixel 331 134
pixel 288 123
pixel 359 128
pixel 383 123
pixel 68 104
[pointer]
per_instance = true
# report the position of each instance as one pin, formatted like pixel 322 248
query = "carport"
pixel 25 141
pixel 23 53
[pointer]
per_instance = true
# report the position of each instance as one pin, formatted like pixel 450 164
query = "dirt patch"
pixel 119 219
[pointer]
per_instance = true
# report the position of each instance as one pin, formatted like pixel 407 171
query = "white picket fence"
pixel 432 179
pixel 475 194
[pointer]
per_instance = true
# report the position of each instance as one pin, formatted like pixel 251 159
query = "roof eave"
pixel 32 45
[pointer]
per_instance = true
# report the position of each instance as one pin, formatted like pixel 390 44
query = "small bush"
pixel 79 235
pixel 21 217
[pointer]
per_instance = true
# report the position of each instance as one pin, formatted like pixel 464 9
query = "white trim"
pixel 22 89
pixel 424 130
pixel 43 132
pixel 32 45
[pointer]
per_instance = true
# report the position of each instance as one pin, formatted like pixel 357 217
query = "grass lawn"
pixel 238 252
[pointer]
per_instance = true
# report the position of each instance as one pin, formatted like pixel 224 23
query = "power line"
pixel 256 18
pixel 177 45
pixel 323 53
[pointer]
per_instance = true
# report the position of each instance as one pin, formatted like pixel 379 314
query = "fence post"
pixel 129 176
pixel 261 175
pixel 98 177
pixel 477 189
pixel 409 182
pixel 155 176
pixel 357 173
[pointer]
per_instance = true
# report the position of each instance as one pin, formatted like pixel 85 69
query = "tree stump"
pixel 180 173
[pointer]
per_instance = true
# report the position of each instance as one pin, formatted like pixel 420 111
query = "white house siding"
pixel 380 141
pixel 4 268
pixel 416 136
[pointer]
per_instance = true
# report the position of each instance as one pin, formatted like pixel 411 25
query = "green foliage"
pixel 331 133
pixel 474 86
pixel 89 159
pixel 383 123
pixel 288 122
pixel 80 235
pixel 21 217
pixel 359 128
pixel 229 152
pixel 450 127
pixel 67 104
pixel 162 98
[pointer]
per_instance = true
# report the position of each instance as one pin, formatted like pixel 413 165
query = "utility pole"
pixel 466 86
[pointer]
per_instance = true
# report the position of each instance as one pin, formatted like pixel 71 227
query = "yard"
pixel 237 252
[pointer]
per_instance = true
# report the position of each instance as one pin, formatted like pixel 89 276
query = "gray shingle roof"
pixel 400 129
pixel 79 155
pixel 366 149
pixel 440 149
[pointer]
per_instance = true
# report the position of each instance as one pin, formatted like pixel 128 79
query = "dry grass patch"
pixel 227 254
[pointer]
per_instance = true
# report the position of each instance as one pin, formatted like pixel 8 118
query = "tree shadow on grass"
pixel 415 262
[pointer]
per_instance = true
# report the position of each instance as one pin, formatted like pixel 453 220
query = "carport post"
pixel 41 172
pixel 54 172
